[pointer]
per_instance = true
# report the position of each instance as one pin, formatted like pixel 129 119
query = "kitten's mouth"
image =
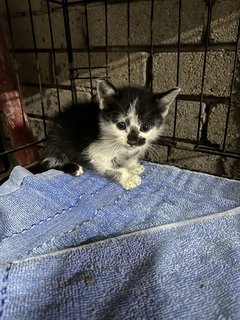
pixel 129 146
pixel 135 144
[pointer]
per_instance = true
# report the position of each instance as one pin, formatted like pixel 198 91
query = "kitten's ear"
pixel 104 90
pixel 164 100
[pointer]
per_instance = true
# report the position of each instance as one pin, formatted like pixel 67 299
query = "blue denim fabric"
pixel 84 248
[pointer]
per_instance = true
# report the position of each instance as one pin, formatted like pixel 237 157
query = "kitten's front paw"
pixel 79 171
pixel 131 182
pixel 138 169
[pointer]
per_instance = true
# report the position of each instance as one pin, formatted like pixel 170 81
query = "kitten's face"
pixel 131 122
pixel 132 117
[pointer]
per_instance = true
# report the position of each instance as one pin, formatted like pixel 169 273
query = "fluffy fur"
pixel 110 135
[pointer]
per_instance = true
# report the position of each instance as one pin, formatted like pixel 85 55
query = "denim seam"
pixel 79 225
pixel 4 288
pixel 54 216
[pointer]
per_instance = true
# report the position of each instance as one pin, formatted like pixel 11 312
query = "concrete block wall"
pixel 218 74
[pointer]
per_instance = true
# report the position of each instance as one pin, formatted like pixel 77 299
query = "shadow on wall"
pixel 232 167
pixel 55 68
pixel 165 32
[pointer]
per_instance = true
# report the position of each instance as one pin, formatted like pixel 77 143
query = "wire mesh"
pixel 97 58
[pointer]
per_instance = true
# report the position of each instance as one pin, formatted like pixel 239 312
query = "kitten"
pixel 109 136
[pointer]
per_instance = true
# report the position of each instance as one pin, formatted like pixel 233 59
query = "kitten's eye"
pixel 144 127
pixel 121 125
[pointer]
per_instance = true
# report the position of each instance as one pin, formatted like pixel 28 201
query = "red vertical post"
pixel 13 109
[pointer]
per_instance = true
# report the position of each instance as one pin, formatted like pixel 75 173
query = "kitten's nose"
pixel 133 138
pixel 136 142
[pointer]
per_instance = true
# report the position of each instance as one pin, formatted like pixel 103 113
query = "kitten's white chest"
pixel 102 154
pixel 101 151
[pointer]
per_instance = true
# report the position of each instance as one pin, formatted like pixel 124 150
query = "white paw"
pixel 79 171
pixel 131 182
pixel 137 169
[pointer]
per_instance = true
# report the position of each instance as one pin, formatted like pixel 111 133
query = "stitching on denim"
pixel 79 225
pixel 54 216
pixel 3 291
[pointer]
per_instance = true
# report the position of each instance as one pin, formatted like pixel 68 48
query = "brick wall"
pixel 162 65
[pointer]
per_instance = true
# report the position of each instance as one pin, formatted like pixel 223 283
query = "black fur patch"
pixel 147 107
pixel 72 131
pixel 76 128
pixel 71 168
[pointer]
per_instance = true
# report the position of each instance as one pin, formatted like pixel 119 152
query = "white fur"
pixel 166 101
pixel 79 172
pixel 101 154
pixel 104 89
pixel 132 115
pixel 111 132
pixel 131 182
pixel 136 169
pixel 111 154
pixel 113 144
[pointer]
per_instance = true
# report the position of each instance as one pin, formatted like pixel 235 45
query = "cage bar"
pixel 209 6
pixel 88 46
pixel 55 78
pixel 128 42
pixel 232 86
pixel 69 49
pixel 231 46
pixel 106 35
pixel 178 67
pixel 150 61
pixel 37 65
pixel 198 143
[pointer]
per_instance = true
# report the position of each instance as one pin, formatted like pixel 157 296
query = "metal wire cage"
pixel 59 48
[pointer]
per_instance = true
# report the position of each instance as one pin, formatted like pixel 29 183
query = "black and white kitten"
pixel 109 136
